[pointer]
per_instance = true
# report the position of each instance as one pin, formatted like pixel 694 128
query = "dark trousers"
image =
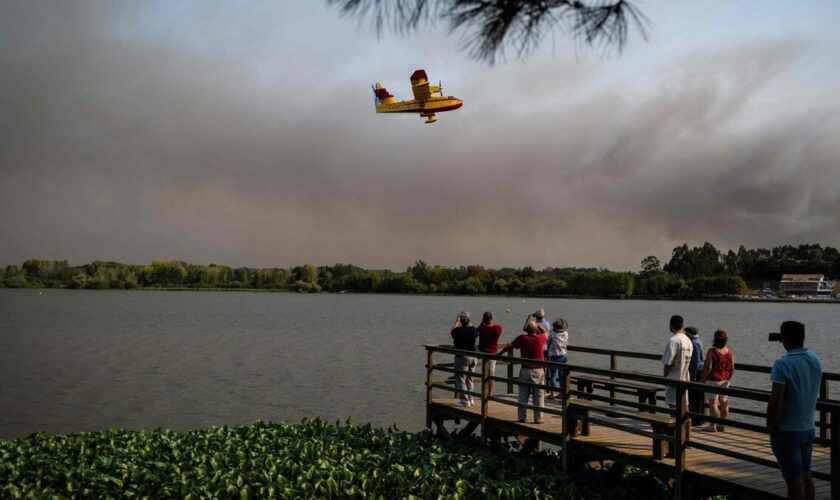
pixel 695 404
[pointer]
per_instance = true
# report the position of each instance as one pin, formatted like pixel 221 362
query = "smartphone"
pixel 774 337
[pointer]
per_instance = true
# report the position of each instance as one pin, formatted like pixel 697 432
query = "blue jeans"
pixel 793 452
pixel 555 372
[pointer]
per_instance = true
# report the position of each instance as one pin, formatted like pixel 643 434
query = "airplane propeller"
pixel 440 87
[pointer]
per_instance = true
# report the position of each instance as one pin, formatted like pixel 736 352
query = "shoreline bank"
pixel 797 300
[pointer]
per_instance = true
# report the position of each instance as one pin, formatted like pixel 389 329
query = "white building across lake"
pixel 806 285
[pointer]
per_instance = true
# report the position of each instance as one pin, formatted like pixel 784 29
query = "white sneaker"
pixel 464 403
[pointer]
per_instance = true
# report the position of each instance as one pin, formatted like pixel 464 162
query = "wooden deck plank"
pixel 822 486
pixel 729 467
pixel 700 463
pixel 760 473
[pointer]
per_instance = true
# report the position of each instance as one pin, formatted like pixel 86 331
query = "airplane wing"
pixel 420 85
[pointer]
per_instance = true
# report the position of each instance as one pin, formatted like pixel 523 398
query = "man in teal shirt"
pixel 796 378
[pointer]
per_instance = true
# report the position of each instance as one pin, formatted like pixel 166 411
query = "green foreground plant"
pixel 284 460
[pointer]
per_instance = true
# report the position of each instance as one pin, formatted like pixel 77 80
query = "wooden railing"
pixel 823 424
pixel 680 413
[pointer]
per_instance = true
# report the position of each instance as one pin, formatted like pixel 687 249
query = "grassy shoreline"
pixel 284 460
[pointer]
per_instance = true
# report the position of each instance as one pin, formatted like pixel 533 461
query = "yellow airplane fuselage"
pixel 434 104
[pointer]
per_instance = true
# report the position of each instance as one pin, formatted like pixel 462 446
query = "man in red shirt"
pixel 531 344
pixel 488 341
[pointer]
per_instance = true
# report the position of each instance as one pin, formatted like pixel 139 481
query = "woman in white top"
pixel 558 341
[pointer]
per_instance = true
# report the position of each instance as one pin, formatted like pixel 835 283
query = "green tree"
pixel 274 278
pixel 476 271
pixel 129 279
pixel 14 277
pixel 169 272
pixel 78 281
pixel 218 276
pixel 731 265
pixel 660 284
pixel 717 285
pixel 243 276
pixel 498 286
pixel 468 286
pixel 305 287
pixel 37 270
pixel 307 273
pixel 695 262
pixel 401 283
pixel 526 273
pixel 629 283
pixel 102 279
pixel 650 265
pixel 421 272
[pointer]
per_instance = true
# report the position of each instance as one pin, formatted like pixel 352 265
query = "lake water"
pixel 86 360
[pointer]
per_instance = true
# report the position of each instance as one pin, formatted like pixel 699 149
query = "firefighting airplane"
pixel 424 103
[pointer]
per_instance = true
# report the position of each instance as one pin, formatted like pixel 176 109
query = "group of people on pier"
pixel 795 379
pixel 540 341
pixel 683 359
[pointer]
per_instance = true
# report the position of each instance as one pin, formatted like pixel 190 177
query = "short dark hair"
pixel 691 330
pixel 793 332
pixel 677 322
pixel 488 316
pixel 720 339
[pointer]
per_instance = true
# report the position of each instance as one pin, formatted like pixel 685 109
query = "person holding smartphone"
pixel 488 341
pixel 796 379
pixel 464 336
pixel 531 344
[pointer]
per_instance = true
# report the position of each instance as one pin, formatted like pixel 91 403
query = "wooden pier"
pixel 610 424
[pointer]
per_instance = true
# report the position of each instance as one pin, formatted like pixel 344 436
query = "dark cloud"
pixel 122 137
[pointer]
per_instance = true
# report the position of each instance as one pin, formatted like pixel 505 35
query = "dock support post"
pixel 441 428
pixel 825 417
pixel 613 366
pixel 566 382
pixel 680 433
pixel 510 371
pixel 485 391
pixel 429 367
pixel 835 455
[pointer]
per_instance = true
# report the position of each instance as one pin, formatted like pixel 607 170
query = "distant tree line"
pixel 418 278
pixel 691 272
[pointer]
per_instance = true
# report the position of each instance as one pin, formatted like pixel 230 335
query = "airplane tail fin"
pixel 381 95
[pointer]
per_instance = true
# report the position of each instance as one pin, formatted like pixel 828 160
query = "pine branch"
pixel 489 26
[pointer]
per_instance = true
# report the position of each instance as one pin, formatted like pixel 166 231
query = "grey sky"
pixel 244 133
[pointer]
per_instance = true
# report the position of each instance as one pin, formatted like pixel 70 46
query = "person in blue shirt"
pixel 796 378
pixel 695 368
